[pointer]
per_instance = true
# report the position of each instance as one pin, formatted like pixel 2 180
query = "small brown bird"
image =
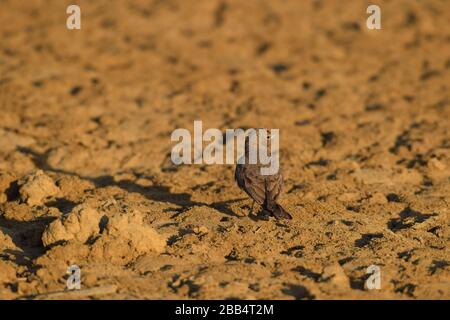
pixel 263 189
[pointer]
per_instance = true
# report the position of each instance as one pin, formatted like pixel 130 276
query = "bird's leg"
pixel 264 215
pixel 253 204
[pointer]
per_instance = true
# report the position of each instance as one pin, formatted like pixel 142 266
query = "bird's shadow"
pixel 159 193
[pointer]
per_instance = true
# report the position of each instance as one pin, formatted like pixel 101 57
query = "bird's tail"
pixel 277 211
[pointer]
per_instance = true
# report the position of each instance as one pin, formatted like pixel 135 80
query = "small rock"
pixel 6 241
pixel 6 179
pixel 336 275
pixel 435 164
pixel 309 196
pixel 35 187
pixel 131 229
pixel 81 224
pixel 378 198
pixel 8 273
pixel 73 186
pixel 18 212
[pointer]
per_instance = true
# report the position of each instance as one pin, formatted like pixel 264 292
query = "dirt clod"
pixel 36 187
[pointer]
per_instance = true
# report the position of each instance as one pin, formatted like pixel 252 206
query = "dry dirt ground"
pixel 86 177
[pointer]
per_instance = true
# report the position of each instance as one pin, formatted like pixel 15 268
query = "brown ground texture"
pixel 85 170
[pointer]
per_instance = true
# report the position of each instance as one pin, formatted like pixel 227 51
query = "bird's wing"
pixel 254 183
pixel 274 186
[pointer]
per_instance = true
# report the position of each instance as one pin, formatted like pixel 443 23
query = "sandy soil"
pixel 86 177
